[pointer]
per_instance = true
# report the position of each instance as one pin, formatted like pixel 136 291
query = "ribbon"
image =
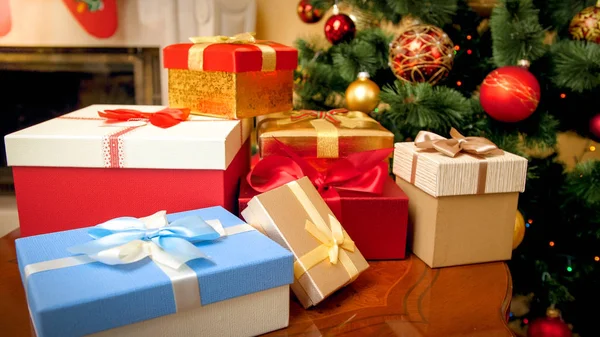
pixel 360 172
pixel 335 244
pixel 196 52
pixel 475 147
pixel 170 245
pixel 164 118
pixel 458 143
pixel 326 124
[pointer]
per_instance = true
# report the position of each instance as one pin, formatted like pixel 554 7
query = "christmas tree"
pixel 517 72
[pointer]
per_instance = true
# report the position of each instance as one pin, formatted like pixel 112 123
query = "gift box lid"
pixel 231 57
pixel 84 139
pixel 440 175
pixel 82 299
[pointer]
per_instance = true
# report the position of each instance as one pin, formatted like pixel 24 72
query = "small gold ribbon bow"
pixel 458 143
pixel 196 52
pixel 334 244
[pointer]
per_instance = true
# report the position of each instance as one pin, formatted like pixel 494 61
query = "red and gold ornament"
pixel 309 13
pixel 510 94
pixel 586 24
pixel 550 326
pixel 422 53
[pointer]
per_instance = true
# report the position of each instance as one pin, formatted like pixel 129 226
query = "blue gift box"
pixel 92 297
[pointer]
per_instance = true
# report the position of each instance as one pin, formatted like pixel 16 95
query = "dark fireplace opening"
pixel 38 84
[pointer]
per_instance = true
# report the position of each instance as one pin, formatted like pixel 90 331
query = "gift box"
pixel 236 77
pixel 202 272
pixel 80 168
pixel 357 189
pixel 463 196
pixel 322 134
pixel 296 217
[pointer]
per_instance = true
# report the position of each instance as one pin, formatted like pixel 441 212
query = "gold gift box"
pixel 460 229
pixel 284 214
pixel 319 138
pixel 231 95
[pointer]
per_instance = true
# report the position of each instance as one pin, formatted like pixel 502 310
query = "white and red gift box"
pixel 80 169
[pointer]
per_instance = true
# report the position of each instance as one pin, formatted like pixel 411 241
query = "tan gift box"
pixel 463 195
pixel 296 217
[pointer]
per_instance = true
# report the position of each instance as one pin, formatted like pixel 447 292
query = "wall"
pixel 277 20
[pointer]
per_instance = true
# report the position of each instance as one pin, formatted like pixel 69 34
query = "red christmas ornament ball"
pixel 509 94
pixel 309 13
pixel 550 326
pixel 339 28
pixel 595 126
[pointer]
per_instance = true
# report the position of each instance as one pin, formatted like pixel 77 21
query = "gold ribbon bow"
pixel 327 128
pixel 458 143
pixel 334 244
pixel 196 52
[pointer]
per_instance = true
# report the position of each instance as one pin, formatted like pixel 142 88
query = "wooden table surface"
pixel 392 298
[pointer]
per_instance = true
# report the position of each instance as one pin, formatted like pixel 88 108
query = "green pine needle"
pixel 416 107
pixel 576 65
pixel 584 183
pixel 439 12
pixel 516 33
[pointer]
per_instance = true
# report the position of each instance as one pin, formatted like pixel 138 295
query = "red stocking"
pixel 97 17
pixel 5 20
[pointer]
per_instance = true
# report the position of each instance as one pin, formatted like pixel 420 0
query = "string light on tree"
pixel 422 53
pixel 510 94
pixel 362 94
pixel 339 27
pixel 586 24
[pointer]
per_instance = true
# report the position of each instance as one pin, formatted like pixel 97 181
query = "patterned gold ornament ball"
pixel 422 53
pixel 362 94
pixel 586 25
pixel 519 231
pixel 483 7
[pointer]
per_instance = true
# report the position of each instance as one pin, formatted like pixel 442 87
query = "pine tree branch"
pixel 415 107
pixel 576 65
pixel 516 32
pixel 583 183
pixel 557 14
pixel 439 12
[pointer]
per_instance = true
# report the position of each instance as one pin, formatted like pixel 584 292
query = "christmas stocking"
pixel 97 17
pixel 5 20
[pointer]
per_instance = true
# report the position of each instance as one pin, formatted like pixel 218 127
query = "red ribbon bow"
pixel 361 172
pixel 327 115
pixel 164 118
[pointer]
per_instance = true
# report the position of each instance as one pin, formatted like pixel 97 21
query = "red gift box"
pixel 361 194
pixel 376 223
pixel 68 175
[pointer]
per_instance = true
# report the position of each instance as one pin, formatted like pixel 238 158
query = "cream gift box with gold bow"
pixel 232 77
pixel 325 257
pixel 463 195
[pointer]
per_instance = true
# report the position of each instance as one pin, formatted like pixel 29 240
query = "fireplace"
pixel 38 84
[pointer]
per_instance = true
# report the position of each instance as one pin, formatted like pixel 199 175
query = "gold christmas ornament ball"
pixel 586 25
pixel 519 231
pixel 362 94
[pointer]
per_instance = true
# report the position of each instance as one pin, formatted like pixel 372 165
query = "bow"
pixel 361 172
pixel 458 143
pixel 164 118
pixel 238 38
pixel 332 240
pixel 127 239
pixel 313 114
